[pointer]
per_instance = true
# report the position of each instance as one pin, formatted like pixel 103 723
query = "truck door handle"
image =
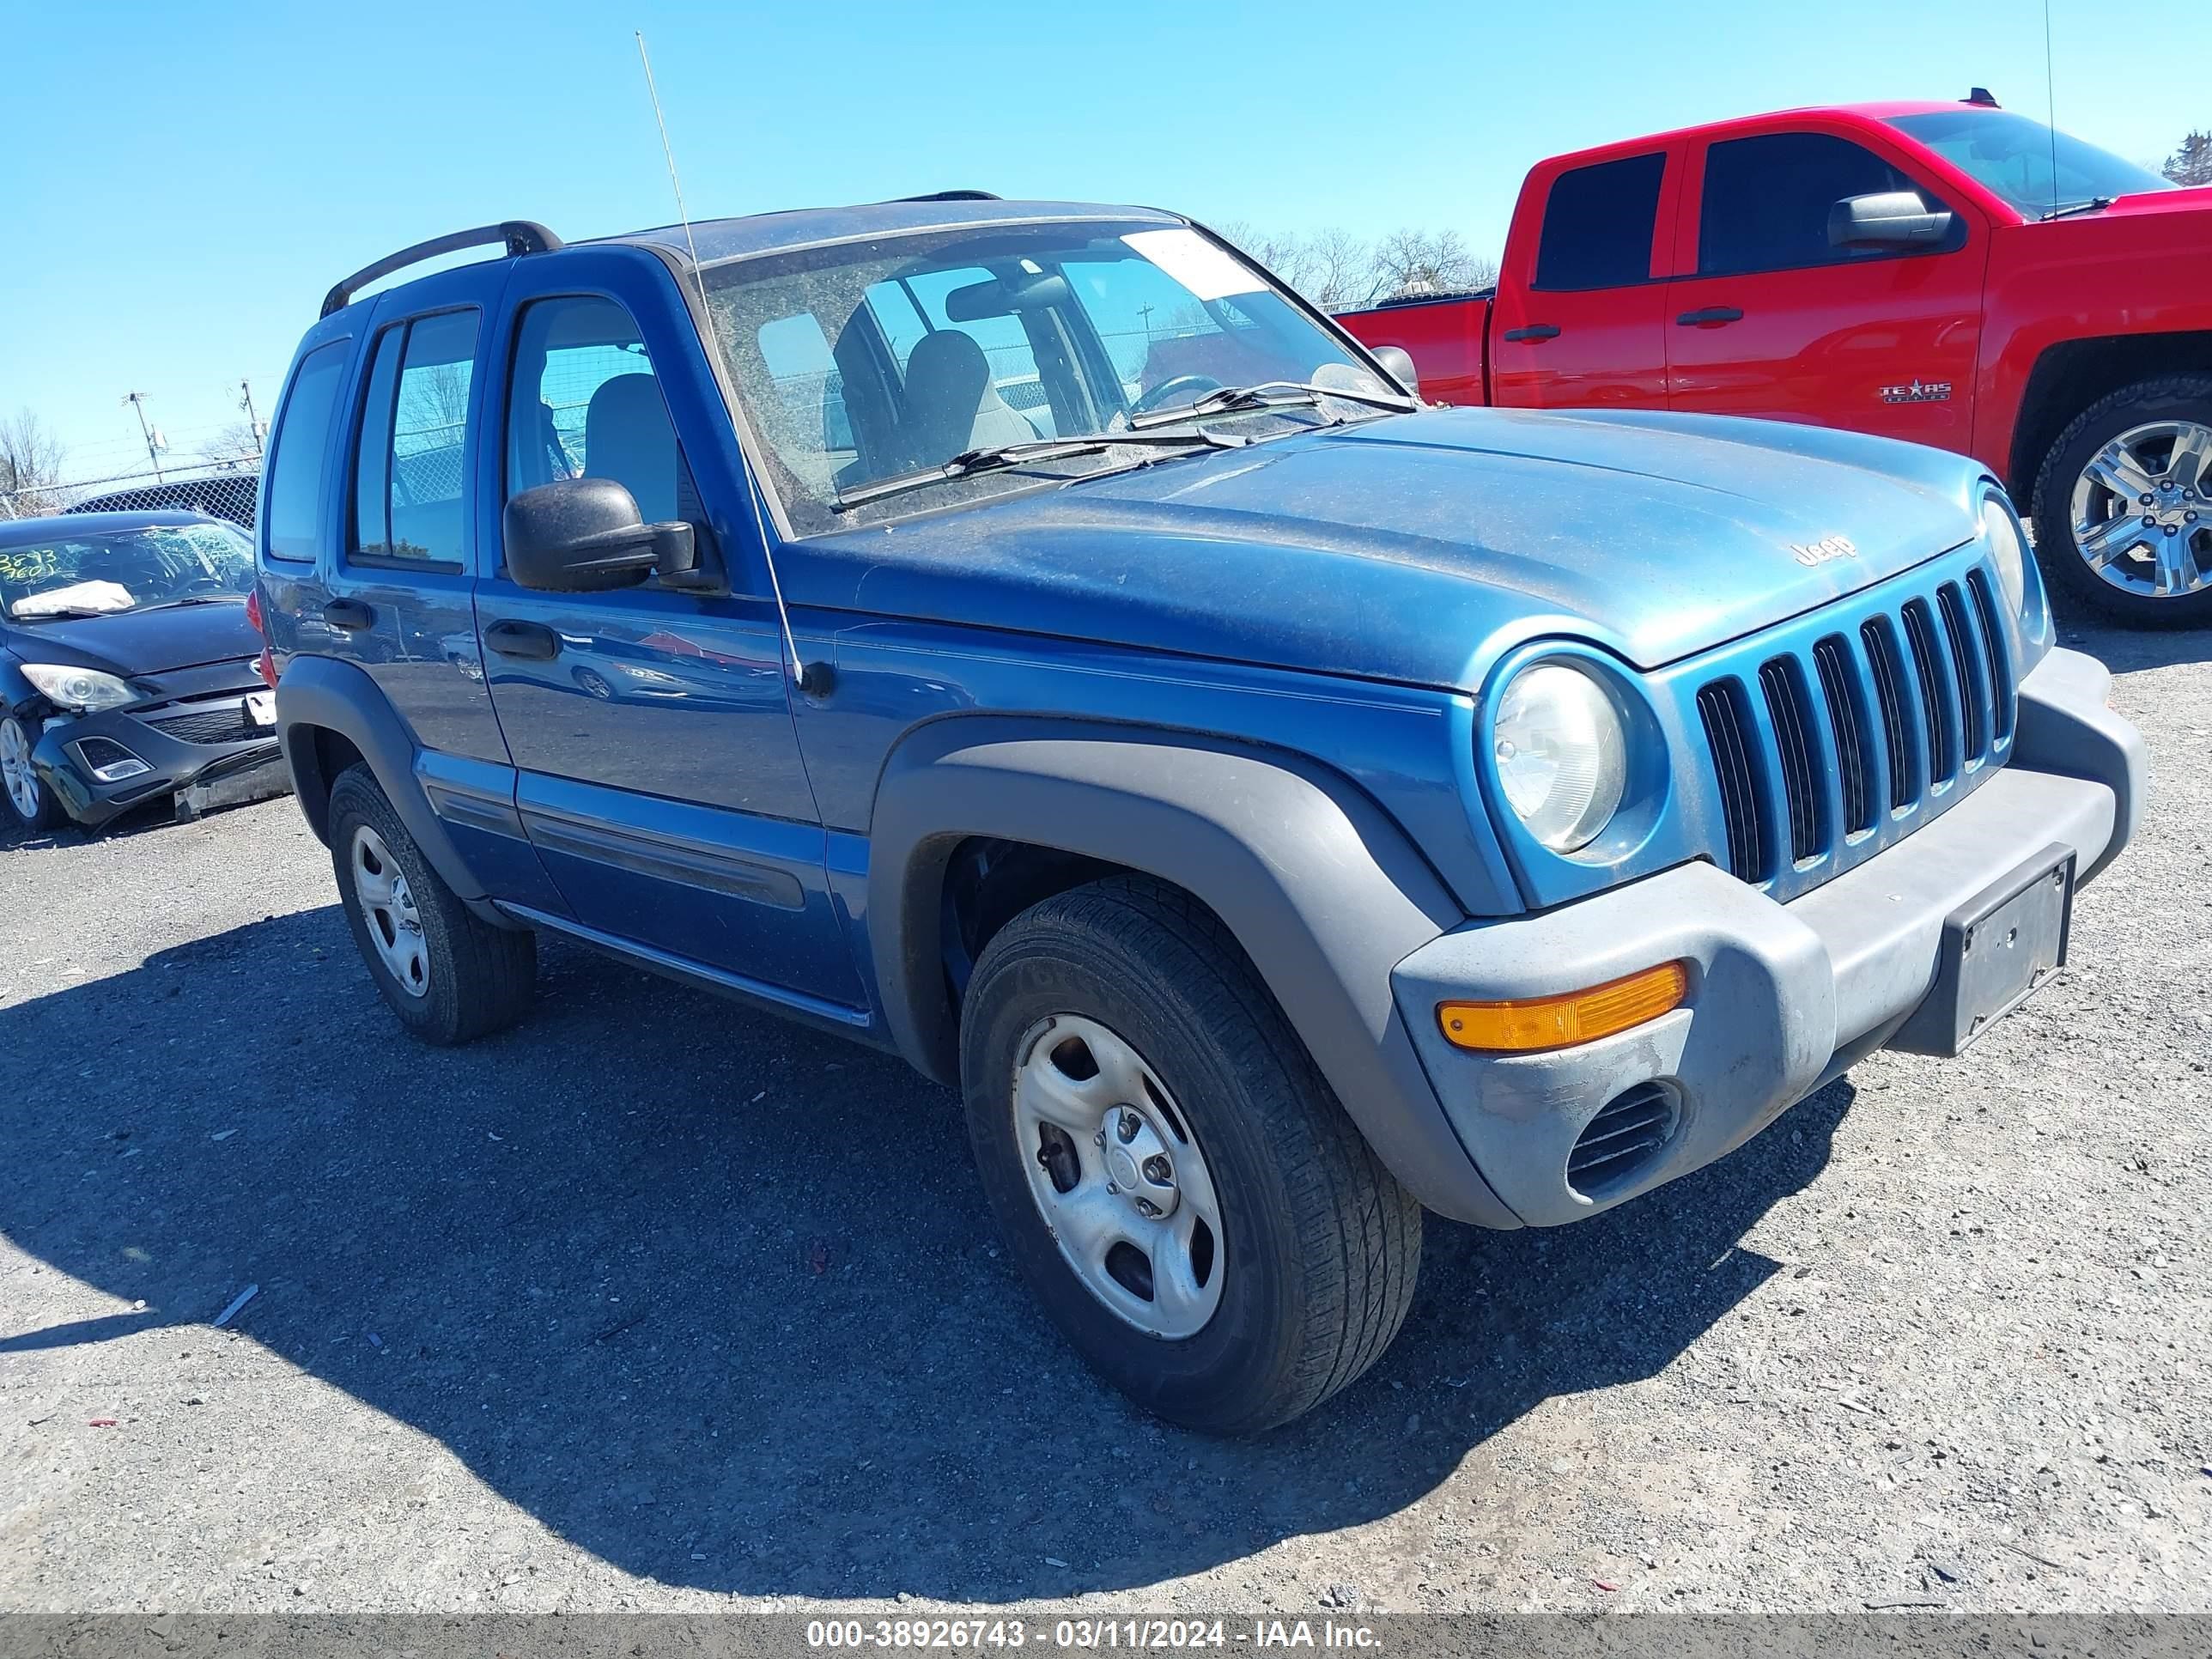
pixel 1533 332
pixel 1709 315
pixel 351 614
pixel 532 641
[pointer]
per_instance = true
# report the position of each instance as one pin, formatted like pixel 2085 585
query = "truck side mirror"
pixel 585 536
pixel 1888 218
pixel 1398 363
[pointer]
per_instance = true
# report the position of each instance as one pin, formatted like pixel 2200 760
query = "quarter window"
pixel 291 519
pixel 1767 201
pixel 1598 225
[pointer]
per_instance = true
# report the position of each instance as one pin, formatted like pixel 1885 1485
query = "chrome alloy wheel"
pixel 22 783
pixel 2142 510
pixel 1118 1180
pixel 395 927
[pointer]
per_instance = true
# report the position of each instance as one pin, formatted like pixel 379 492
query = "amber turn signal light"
pixel 1540 1022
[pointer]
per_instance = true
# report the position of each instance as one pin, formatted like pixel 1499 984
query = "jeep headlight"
pixel 1562 754
pixel 80 690
pixel 2008 551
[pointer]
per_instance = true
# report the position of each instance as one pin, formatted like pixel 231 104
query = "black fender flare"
pixel 1323 891
pixel 322 693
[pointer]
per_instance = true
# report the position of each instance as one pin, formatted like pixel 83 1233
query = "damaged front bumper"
pixel 196 753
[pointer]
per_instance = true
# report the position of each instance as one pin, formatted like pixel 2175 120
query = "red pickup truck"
pixel 1952 274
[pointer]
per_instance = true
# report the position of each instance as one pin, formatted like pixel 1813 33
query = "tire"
pixel 464 978
pixel 18 735
pixel 1317 1247
pixel 2065 494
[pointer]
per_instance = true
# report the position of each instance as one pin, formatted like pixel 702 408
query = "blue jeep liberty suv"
pixel 1028 638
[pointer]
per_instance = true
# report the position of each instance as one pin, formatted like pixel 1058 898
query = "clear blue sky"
pixel 182 182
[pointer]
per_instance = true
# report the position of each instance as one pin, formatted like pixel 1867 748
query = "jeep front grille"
pixel 1815 750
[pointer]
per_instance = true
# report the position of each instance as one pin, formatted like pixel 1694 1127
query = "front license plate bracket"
pixel 1998 948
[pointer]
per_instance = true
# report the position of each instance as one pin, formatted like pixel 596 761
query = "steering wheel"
pixel 1163 394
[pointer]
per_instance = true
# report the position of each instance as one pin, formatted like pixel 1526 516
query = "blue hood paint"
pixel 1415 548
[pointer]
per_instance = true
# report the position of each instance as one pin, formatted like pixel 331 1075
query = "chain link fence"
pixel 222 492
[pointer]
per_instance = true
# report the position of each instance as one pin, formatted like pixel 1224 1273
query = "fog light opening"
pixel 1533 1025
pixel 108 760
pixel 1621 1143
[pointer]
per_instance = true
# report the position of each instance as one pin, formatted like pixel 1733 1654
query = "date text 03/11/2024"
pixel 1089 1634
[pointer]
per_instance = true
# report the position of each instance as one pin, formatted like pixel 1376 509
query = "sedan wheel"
pixel 29 801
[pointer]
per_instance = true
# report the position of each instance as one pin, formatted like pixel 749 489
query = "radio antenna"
pixel 2051 106
pixel 815 679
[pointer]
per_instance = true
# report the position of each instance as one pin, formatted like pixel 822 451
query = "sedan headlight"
pixel 1562 754
pixel 2007 551
pixel 81 690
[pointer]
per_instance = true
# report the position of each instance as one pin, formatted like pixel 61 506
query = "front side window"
pixel 866 362
pixel 1767 201
pixel 293 514
pixel 1598 225
pixel 2015 157
pixel 66 575
pixel 410 470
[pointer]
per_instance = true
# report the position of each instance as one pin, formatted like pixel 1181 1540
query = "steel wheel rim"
pixel 1117 1177
pixel 388 905
pixel 22 782
pixel 2142 510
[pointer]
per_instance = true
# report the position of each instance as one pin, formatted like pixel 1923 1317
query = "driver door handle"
pixel 532 641
pixel 351 614
pixel 1708 316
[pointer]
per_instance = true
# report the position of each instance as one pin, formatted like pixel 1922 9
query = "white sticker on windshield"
pixel 1208 271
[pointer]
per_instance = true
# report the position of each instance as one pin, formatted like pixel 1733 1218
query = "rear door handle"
pixel 532 641
pixel 351 614
pixel 1709 315
pixel 1533 332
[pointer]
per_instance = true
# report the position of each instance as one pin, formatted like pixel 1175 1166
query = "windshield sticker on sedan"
pixel 1208 271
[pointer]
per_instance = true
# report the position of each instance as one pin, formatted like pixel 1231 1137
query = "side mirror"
pixel 1398 363
pixel 1889 218
pixel 585 536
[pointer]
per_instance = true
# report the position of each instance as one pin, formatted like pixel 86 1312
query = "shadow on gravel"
pixel 715 1298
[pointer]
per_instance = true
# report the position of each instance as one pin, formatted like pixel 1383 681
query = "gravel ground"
pixel 656 1303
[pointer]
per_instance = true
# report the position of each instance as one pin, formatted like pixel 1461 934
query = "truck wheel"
pixel 2124 504
pixel 31 805
pixel 448 975
pixel 1176 1182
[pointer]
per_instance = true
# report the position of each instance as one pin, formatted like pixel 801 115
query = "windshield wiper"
pixel 969 462
pixel 189 599
pixel 1268 394
pixel 2094 204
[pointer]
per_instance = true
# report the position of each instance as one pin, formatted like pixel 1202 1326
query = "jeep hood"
pixel 1415 548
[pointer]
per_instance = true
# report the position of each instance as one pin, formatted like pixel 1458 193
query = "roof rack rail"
pixel 520 235
pixel 954 196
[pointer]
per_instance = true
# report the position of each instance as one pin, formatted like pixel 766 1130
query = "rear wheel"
pixel 1180 1188
pixel 2124 504
pixel 31 805
pixel 449 975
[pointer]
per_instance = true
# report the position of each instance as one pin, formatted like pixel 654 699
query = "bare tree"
pixel 2192 163
pixel 236 442
pixel 31 462
pixel 1337 271
pixel 1410 261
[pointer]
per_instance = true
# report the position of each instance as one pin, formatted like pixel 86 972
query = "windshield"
pixel 874 360
pixel 93 574
pixel 2012 156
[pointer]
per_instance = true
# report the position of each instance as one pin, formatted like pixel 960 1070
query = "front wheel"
pixel 31 805
pixel 1178 1186
pixel 2124 504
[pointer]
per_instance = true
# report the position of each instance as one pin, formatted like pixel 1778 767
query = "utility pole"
pixel 155 443
pixel 252 421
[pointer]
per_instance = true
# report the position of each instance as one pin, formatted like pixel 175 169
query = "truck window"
pixel 293 514
pixel 583 402
pixel 1767 201
pixel 1598 225
pixel 410 467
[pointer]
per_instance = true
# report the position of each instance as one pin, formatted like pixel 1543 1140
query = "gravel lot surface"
pixel 656 1303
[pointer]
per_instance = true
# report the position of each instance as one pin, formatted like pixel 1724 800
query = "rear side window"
pixel 1598 225
pixel 1767 201
pixel 410 468
pixel 293 516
